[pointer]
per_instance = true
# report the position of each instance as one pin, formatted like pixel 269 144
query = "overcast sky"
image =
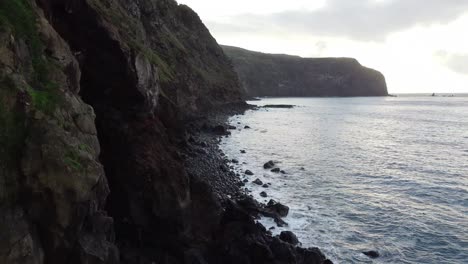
pixel 419 45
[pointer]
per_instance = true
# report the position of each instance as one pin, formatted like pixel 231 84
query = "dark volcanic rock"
pixel 263 194
pixel 282 75
pixel 243 151
pixel 270 164
pixel 220 130
pixel 248 172
pixel 280 209
pixel 278 106
pixel 246 127
pixel 276 170
pixel 371 254
pixel 258 182
pixel 289 237
pixel 109 116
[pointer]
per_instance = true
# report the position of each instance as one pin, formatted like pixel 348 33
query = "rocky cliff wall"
pixel 95 98
pixel 282 75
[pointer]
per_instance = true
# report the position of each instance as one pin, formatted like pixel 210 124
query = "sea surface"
pixel 387 174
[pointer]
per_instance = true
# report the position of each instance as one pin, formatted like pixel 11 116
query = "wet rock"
pixel 220 130
pixel 234 161
pixel 280 209
pixel 232 127
pixel 270 164
pixel 277 170
pixel 278 106
pixel 203 144
pixel 242 151
pixel 371 254
pixel 289 237
pixel 265 185
pixel 246 127
pixel 263 194
pixel 280 222
pixel 302 169
pixel 248 172
pixel 245 180
pixel 258 182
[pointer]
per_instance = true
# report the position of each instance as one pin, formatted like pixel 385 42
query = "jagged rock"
pixel 280 209
pixel 248 172
pixel 289 237
pixel 258 182
pixel 270 164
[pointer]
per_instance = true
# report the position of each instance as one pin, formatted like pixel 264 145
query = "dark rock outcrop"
pixel 289 237
pixel 283 75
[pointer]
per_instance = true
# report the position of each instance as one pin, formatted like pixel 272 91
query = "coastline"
pixel 239 238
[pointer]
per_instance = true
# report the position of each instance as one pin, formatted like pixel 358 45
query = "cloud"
pixel 365 20
pixel 456 62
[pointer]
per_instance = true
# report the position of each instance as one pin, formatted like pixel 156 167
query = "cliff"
pixel 283 75
pixel 96 98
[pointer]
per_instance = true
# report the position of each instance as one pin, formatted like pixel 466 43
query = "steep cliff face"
pixel 95 97
pixel 283 75
pixel 143 66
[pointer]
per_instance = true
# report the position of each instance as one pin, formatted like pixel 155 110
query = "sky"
pixel 421 46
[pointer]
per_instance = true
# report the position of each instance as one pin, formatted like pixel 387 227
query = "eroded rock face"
pixel 283 75
pixel 58 186
pixel 92 170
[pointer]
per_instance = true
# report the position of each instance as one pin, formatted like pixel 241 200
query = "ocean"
pixel 388 174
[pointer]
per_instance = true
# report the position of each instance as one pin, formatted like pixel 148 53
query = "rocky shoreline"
pixel 239 239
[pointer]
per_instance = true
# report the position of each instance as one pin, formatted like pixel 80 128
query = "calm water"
pixel 386 174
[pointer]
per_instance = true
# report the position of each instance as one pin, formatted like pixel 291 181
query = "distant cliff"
pixel 284 75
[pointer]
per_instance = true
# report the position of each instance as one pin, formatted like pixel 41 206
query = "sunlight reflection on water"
pixel 389 174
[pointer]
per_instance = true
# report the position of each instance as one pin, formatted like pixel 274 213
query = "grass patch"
pixel 73 161
pixel 45 99
pixel 19 16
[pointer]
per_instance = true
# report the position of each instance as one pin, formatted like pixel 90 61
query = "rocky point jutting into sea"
pixel 110 116
pixel 264 74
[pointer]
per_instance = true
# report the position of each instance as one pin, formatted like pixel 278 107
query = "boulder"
pixel 289 237
pixel 263 194
pixel 270 164
pixel 258 182
pixel 280 209
pixel 248 172
pixel 371 254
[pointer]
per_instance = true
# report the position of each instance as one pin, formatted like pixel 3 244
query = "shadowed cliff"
pixel 95 101
pixel 283 75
